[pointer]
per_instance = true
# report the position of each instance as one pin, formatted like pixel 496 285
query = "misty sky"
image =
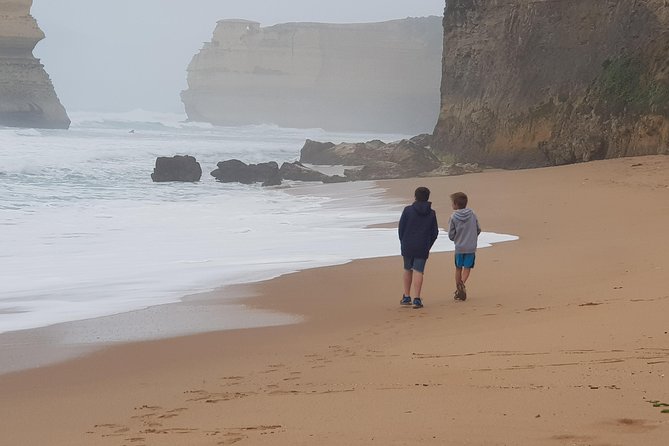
pixel 121 55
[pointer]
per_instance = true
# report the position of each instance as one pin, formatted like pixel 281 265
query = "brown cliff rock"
pixel 367 76
pixel 542 82
pixel 27 97
pixel 378 160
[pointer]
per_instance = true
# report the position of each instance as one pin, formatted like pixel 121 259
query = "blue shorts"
pixel 412 263
pixel 465 260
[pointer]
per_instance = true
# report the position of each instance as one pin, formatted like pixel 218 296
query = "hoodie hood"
pixel 462 214
pixel 422 207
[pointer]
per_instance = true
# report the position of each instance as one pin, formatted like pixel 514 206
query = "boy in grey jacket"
pixel 463 229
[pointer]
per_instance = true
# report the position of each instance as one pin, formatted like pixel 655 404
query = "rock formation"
pixel 235 171
pixel 366 77
pixel 177 168
pixel 372 160
pixel 544 82
pixel 27 97
pixel 376 159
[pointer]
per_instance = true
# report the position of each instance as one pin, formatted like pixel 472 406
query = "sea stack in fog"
pixel 27 96
pixel 367 77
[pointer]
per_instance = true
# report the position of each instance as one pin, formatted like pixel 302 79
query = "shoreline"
pixel 572 311
pixel 83 336
pixel 221 309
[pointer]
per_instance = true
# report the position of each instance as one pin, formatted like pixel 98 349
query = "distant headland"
pixel 368 77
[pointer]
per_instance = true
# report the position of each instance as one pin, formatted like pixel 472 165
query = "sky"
pixel 123 55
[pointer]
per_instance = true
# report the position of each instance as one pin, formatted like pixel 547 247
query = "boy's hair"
pixel 422 194
pixel 459 199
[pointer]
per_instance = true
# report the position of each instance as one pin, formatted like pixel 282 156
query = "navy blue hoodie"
pixel 418 229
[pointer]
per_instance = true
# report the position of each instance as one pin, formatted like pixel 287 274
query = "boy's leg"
pixel 459 284
pixel 408 278
pixel 417 283
pixel 465 274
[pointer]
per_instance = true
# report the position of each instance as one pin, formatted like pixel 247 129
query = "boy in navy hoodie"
pixel 463 229
pixel 417 230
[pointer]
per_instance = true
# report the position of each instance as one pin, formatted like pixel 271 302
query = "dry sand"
pixel 563 341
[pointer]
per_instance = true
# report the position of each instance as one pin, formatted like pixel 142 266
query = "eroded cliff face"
pixel 373 76
pixel 543 82
pixel 27 96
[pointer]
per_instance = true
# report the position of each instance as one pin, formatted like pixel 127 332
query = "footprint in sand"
pixel 572 438
pixel 232 438
pixel 211 397
pixel 172 413
pixel 112 430
pixel 634 426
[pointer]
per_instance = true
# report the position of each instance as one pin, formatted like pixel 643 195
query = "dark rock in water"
pixel 269 174
pixel 235 171
pixel 399 159
pixel 298 172
pixel 176 168
pixel 274 180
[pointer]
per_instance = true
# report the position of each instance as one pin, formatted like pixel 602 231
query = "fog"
pixel 120 55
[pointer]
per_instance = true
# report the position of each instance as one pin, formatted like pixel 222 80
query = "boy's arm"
pixel 402 226
pixel 451 229
pixel 478 228
pixel 435 228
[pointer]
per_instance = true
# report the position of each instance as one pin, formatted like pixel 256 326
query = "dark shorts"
pixel 412 263
pixel 465 260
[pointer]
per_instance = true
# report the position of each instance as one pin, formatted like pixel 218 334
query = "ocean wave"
pixel 134 119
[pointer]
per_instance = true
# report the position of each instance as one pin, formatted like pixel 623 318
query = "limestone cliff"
pixel 27 97
pixel 543 82
pixel 373 76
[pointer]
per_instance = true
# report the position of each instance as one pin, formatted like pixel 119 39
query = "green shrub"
pixel 625 85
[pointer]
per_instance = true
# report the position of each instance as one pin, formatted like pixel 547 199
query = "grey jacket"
pixel 464 229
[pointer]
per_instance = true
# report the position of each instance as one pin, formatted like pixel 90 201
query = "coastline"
pixel 563 340
pixel 220 309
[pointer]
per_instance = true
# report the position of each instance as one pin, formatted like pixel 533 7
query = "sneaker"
pixel 417 302
pixel 406 300
pixel 456 295
pixel 462 291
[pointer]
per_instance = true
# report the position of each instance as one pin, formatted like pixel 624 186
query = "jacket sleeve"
pixel 478 228
pixel 403 223
pixel 451 229
pixel 435 228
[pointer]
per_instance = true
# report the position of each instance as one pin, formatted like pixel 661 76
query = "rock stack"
pixel 361 77
pixel 27 96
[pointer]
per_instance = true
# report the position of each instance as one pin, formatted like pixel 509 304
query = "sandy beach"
pixel 564 339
